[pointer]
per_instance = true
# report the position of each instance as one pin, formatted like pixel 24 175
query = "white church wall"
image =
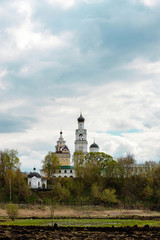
pixel 34 182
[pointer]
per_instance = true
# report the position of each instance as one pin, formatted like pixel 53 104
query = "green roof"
pixel 67 167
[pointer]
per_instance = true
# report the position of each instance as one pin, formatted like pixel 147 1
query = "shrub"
pixel 12 210
pixel 109 196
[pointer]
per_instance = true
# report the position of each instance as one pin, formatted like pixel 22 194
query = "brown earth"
pixel 32 232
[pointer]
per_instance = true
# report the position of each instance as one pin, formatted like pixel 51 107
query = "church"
pixel 36 180
pixel 81 144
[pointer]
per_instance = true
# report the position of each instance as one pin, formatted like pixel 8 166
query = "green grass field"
pixel 83 222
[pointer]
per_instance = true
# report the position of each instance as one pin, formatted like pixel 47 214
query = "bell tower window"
pixel 80 137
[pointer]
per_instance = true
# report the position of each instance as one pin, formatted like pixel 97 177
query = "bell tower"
pixel 62 151
pixel 81 136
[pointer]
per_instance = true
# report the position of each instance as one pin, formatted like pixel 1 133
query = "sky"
pixel 100 57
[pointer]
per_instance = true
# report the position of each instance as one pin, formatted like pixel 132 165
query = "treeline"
pixel 99 180
pixel 13 185
pixel 102 180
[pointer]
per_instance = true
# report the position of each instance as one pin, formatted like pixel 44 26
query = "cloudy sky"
pixel 101 57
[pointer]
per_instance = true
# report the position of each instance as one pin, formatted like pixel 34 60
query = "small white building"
pixel 65 171
pixel 35 181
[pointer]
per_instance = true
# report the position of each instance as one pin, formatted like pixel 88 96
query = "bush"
pixel 109 196
pixel 12 210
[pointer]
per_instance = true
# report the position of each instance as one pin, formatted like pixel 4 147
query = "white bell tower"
pixel 81 136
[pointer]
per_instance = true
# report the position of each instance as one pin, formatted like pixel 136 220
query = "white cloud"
pixel 66 5
pixel 150 3
pixel 26 35
pixel 119 106
pixel 93 1
pixel 26 38
pixel 145 66
pixel 62 3
pixel 9 105
pixel 22 7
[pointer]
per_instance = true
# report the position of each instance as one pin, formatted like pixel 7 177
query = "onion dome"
pixel 81 118
pixel 34 174
pixel 94 145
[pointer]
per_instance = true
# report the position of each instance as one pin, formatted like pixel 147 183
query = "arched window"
pixel 80 136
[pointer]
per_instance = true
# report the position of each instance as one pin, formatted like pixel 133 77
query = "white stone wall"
pixel 81 140
pixel 37 183
pixel 34 182
pixel 81 146
pixel 65 173
pixel 92 149
pixel 44 183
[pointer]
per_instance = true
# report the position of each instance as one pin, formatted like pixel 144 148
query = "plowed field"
pixel 78 233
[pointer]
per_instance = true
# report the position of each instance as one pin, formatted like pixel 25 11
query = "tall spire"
pixel 81 136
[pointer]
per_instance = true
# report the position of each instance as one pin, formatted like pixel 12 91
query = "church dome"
pixel 94 145
pixel 34 174
pixel 81 119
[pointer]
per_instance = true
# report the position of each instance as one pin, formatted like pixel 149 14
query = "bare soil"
pixel 32 232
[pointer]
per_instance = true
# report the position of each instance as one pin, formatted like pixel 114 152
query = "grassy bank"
pixel 83 222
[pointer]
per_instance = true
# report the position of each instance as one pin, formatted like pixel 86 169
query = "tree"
pixel 109 196
pixel 50 164
pixel 79 189
pixel 20 188
pixel 150 168
pixel 78 158
pixel 8 160
pixel 111 169
pixel 59 192
pixel 127 165
pixel 100 159
pixel 96 161
pixel 12 210
pixel 15 187
pixel 147 193
pixel 96 191
pixel 9 180
pixel 2 163
pixel 90 171
pixel 12 161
